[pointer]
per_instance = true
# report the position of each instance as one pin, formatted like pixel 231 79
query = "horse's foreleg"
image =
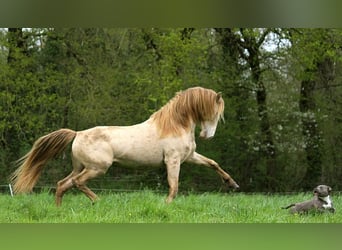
pixel 202 160
pixel 173 168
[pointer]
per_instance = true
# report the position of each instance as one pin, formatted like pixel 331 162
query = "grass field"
pixel 149 207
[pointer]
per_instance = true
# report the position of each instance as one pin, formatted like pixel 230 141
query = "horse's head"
pixel 209 125
pixel 194 105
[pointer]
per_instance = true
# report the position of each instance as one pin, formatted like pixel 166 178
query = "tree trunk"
pixel 245 170
pixel 311 132
pixel 267 145
pixel 267 150
pixel 235 45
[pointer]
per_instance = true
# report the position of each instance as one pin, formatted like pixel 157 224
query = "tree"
pixel 281 88
pixel 316 52
pixel 246 44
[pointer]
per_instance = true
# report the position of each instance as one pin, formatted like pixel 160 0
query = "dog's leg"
pixel 292 205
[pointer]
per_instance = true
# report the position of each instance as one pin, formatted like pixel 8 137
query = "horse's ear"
pixel 218 96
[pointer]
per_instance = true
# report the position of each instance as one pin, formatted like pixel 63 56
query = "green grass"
pixel 149 207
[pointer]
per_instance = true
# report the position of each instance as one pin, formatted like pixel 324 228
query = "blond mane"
pixel 193 105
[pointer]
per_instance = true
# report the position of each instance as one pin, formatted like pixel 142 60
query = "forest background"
pixel 282 90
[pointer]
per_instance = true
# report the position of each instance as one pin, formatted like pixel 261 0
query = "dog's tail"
pixel 291 205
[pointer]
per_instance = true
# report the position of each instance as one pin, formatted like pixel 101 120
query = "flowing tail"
pixel 31 165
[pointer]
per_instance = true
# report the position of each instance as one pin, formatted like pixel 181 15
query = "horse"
pixel 166 138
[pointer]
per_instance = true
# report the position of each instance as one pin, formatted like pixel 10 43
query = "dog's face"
pixel 322 190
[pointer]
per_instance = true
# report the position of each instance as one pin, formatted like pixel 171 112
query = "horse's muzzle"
pixel 206 138
pixel 203 135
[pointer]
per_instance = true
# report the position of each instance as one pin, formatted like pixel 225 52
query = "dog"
pixel 321 202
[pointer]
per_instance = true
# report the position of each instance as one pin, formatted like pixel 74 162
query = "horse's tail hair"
pixel 31 165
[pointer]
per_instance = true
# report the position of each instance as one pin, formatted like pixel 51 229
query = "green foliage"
pixel 79 78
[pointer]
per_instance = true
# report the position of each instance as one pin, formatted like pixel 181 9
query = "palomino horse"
pixel 167 137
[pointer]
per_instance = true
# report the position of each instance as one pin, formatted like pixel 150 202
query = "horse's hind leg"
pixel 66 183
pixel 80 181
pixel 62 186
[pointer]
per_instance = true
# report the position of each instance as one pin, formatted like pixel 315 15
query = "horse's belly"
pixel 140 156
pixel 133 161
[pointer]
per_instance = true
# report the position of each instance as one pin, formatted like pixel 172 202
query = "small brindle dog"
pixel 321 202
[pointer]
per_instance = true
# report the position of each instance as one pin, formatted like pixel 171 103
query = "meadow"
pixel 149 207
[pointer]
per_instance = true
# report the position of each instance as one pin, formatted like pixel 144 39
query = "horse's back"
pixel 127 145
